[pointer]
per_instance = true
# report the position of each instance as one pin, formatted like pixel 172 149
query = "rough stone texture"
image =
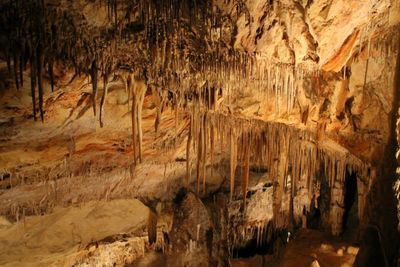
pixel 189 238
pixel 66 235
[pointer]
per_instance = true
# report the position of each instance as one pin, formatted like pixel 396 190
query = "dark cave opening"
pixel 269 242
pixel 251 249
pixel 350 215
pixel 314 216
pixel 318 216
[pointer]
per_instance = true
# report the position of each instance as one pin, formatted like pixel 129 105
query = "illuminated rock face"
pixel 270 114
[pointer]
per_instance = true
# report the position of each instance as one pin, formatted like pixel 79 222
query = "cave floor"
pixel 307 246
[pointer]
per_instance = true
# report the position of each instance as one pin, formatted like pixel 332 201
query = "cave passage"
pixel 350 215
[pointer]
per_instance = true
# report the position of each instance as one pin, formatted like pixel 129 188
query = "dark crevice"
pixel 350 216
pixel 270 242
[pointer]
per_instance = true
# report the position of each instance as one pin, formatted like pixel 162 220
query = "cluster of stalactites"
pixel 224 78
pixel 174 47
pixel 374 37
pixel 296 162
pixel 264 145
pixel 40 34
pixel 263 233
pixel 376 42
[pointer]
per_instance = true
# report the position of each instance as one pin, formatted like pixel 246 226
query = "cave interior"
pixel 199 133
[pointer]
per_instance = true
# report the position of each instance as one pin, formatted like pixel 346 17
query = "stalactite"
pixel 8 61
pixel 128 87
pixel 204 155
pixel 93 76
pixel 233 161
pixel 246 169
pixel 140 99
pixel 115 7
pixel 51 74
pixel 103 98
pixel 39 70
pixel 159 102
pixel 134 144
pixel 188 145
pixel 21 70
pixel 138 92
pixel 200 152
pixel 16 71
pixel 212 138
pixel 176 114
pixel 33 84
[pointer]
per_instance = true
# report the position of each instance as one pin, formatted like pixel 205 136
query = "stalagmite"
pixel 152 227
